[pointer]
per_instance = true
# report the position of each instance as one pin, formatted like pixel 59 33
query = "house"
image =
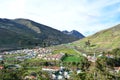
pixel 1 67
pixel 109 56
pixel 53 76
pixel 84 55
pixel 20 58
pixel 41 55
pixel 1 57
pixel 30 77
pixel 57 73
pixel 78 71
pixel 117 69
pixel 54 56
pixel 91 58
pixel 66 75
pixel 51 68
pixel 60 77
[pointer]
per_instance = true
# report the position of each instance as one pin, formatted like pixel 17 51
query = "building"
pixel 91 58
pixel 30 77
pixel 109 56
pixel 1 57
pixel 57 73
pixel 54 56
pixel 51 68
pixel 1 67
pixel 117 69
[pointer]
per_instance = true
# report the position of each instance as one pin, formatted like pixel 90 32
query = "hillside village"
pixel 53 64
pixel 91 58
pixel 60 40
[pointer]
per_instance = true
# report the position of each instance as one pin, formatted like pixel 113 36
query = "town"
pixel 42 63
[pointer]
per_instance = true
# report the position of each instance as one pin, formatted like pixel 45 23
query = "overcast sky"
pixel 86 16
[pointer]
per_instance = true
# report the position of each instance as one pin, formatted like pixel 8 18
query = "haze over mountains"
pixel 24 32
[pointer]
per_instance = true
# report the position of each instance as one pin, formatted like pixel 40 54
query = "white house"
pixel 51 68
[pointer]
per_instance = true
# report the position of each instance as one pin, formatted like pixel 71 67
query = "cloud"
pixel 12 8
pixel 86 16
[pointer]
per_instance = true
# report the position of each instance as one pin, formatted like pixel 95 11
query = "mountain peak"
pixel 74 33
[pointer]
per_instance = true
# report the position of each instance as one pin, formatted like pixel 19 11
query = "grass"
pixel 66 50
pixel 9 58
pixel 72 58
pixel 104 40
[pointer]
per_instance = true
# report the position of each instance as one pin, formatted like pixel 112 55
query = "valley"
pixel 22 57
pixel 59 63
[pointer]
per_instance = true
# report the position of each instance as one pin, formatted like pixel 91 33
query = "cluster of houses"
pixel 51 56
pixel 42 53
pixel 94 57
pixel 43 50
pixel 109 56
pixel 90 58
pixel 27 53
pixel 60 73
pixel 57 73
pixel 54 72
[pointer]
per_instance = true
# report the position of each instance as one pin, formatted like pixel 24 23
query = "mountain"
pixel 104 40
pixel 74 33
pixel 24 32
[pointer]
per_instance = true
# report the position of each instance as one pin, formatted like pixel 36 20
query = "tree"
pixel 87 43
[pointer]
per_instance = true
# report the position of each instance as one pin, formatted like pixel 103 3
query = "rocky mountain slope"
pixel 74 33
pixel 24 32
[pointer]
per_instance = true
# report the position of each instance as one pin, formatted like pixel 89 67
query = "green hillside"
pixel 10 40
pixel 101 41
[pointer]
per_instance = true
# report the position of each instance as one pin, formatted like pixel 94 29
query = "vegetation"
pixel 103 41
pixel 73 58
pixel 89 70
pixel 27 33
pixel 68 51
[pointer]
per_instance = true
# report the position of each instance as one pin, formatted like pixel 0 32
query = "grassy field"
pixel 67 50
pixel 73 58
pixel 104 40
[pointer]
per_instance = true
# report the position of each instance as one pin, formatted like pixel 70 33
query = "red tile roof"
pixel 1 67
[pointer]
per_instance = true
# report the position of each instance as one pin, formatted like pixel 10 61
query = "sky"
pixel 85 16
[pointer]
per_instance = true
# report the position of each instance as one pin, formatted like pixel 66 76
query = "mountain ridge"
pixel 28 32
pixel 74 33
